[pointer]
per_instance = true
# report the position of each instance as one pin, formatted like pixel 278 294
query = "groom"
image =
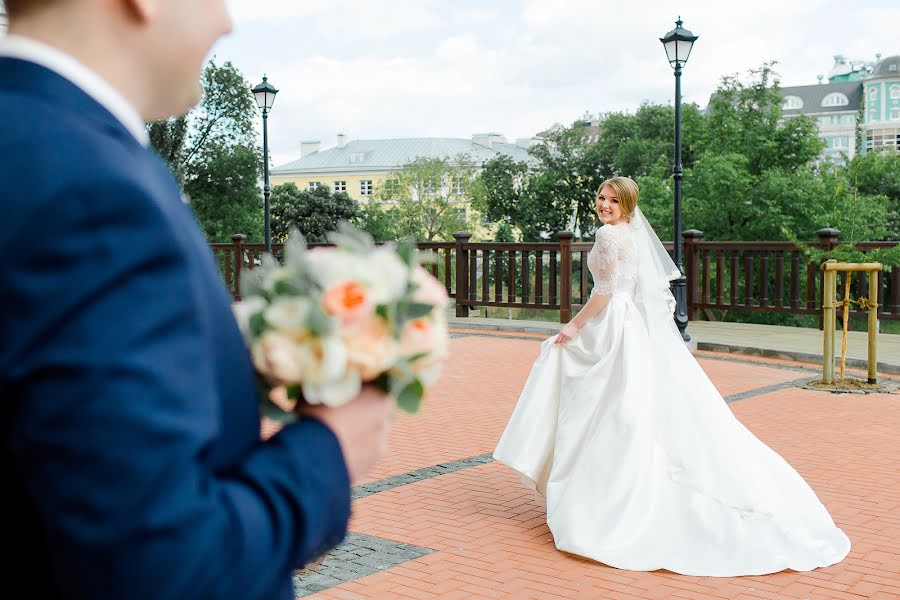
pixel 131 464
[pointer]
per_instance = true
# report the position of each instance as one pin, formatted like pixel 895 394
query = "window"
pixel 340 186
pixel 895 114
pixel 430 187
pixel 792 103
pixel 457 187
pixel 357 157
pixel 312 185
pixel 391 188
pixel 365 187
pixel 835 99
pixel 895 92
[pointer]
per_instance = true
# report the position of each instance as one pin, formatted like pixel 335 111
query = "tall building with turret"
pixel 859 99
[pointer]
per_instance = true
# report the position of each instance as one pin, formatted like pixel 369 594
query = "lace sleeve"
pixel 604 260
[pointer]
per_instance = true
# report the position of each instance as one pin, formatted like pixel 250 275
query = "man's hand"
pixel 362 427
pixel 568 332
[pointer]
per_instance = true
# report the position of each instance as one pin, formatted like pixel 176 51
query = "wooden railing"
pixel 721 276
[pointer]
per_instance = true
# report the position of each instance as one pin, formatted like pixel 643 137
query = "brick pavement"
pixel 486 532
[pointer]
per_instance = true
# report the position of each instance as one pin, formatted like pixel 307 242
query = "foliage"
pixel 376 220
pixel 224 193
pixel 212 153
pixel 747 120
pixel 426 200
pixel 504 233
pixel 878 173
pixel 314 213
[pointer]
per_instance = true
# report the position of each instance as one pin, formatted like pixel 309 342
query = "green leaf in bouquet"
pixel 269 409
pixel 288 287
pixel 257 325
pixel 382 383
pixel 414 357
pixel 295 247
pixel 410 397
pixel 272 411
pixel 350 238
pixel 251 283
pixel 416 310
pixel 406 250
pixel 383 311
pixel 318 322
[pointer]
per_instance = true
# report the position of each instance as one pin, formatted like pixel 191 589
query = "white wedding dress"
pixel 641 462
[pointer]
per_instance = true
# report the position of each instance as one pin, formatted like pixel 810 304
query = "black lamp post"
pixel 678 44
pixel 265 98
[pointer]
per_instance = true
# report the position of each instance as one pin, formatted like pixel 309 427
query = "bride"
pixel 641 462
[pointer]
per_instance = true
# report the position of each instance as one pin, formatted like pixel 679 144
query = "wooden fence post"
pixel 237 248
pixel 828 239
pixel 462 272
pixel 691 239
pixel 565 275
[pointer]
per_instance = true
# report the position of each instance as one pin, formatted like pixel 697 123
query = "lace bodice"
pixel 612 260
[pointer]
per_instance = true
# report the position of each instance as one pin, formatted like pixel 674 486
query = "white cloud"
pixel 435 68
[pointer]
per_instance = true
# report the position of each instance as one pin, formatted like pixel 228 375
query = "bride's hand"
pixel 568 332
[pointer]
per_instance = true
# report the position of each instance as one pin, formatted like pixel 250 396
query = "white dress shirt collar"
pixel 23 48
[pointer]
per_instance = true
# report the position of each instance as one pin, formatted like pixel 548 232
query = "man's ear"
pixel 142 10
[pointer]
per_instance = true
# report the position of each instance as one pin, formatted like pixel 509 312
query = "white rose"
pixel 388 275
pixel 327 360
pixel 335 392
pixel 288 316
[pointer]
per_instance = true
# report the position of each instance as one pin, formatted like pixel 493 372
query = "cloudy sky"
pixel 418 68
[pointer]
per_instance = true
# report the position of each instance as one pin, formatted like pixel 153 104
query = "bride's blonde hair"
pixel 626 191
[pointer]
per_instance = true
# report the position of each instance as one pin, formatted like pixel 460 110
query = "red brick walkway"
pixel 488 531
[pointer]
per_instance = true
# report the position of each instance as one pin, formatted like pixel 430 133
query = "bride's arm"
pixel 607 253
pixel 590 310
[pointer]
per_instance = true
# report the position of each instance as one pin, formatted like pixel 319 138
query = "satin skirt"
pixel 643 466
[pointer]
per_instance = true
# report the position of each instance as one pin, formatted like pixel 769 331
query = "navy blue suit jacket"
pixel 131 464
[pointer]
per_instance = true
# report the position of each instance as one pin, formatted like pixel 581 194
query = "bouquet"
pixel 331 319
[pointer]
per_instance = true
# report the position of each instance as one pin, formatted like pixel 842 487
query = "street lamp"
pixel 265 98
pixel 678 44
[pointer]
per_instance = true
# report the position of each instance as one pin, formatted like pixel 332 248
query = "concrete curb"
pixel 548 329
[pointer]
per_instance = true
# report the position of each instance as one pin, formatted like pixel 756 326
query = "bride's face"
pixel 608 206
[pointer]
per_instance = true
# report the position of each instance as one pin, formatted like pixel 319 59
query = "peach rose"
pixel 370 348
pixel 348 301
pixel 424 336
pixel 278 358
pixel 428 289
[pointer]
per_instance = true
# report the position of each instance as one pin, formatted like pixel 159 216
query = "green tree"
pixel 224 193
pixel 747 120
pixel 427 199
pixel 212 152
pixel 376 220
pixel 565 189
pixel 634 145
pixel 313 212
pixel 878 173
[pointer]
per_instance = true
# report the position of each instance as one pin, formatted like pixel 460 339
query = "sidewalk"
pixel 439 519
pixel 770 341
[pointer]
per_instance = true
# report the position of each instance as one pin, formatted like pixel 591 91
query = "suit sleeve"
pixel 116 408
